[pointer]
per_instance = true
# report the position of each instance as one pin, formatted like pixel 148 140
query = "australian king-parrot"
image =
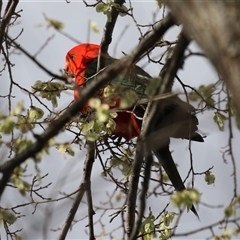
pixel 176 116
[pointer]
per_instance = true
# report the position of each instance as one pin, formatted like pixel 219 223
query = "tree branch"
pixel 17 45
pixel 84 186
pixel 146 143
pixel 107 35
pixel 9 12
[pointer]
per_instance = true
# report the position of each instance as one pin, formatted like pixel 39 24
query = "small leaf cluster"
pixel 185 198
pixel 18 181
pixel 164 225
pixel 8 122
pixel 231 209
pixel 26 123
pixel 228 234
pixel 220 116
pixel 65 148
pixel 206 91
pixel 147 229
pixel 58 25
pixel 128 97
pixel 124 161
pixel 49 90
pixel 94 27
pixel 7 216
pixel 105 8
pixel 16 119
pixel 102 123
pixel 220 119
pixel 209 178
pixel 21 144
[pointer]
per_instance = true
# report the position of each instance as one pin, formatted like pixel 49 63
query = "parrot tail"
pixel 165 159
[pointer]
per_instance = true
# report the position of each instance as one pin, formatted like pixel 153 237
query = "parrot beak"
pixel 68 71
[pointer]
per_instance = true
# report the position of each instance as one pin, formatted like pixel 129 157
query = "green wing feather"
pixel 133 78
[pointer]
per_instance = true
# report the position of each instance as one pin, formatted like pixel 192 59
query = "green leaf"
pixel 94 27
pixel 8 216
pixel 164 225
pixel 207 92
pixel 54 101
pixel 152 87
pixel 94 103
pixel 148 227
pixel 113 114
pixel 118 197
pixel 49 90
pixel 24 125
pixel 229 211
pixel 109 90
pixel 21 144
pixel 209 178
pixel 35 113
pixel 18 110
pixel 92 136
pixel 38 85
pixel 123 11
pixel 70 151
pixel 193 96
pixel 102 7
pixel 168 218
pixel 103 113
pixel 22 185
pixel 128 99
pixel 65 148
pixel 238 199
pixel 54 23
pixel 219 118
pixel 111 124
pixel 7 125
pixel 185 198
pixel 127 169
pixel 86 127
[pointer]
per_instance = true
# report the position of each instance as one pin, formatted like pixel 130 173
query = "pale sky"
pixel 197 71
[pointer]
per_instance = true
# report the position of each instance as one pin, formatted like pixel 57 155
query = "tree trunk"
pixel 215 25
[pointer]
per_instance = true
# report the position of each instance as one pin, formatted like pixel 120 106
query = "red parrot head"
pixel 78 58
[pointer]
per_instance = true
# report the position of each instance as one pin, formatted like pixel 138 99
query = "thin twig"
pixel 55 76
pixel 9 12
pixel 84 186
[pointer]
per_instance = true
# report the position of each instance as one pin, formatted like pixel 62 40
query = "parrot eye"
pixel 72 56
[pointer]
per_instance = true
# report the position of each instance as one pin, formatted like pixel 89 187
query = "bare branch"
pixel 84 186
pixel 15 44
pixel 107 35
pixel 9 12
